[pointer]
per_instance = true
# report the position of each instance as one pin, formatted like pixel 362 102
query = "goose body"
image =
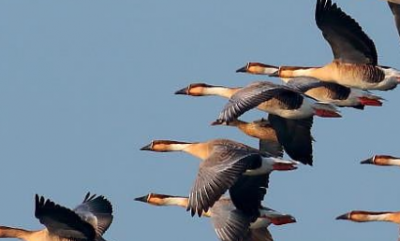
pixel 226 165
pixel 326 92
pixel 335 94
pixel 230 224
pixel 275 99
pixel 87 222
pixel 265 96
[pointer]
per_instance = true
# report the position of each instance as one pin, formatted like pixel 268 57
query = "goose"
pixel 277 133
pixel 225 166
pixel 293 135
pixel 263 95
pixel 275 99
pixel 355 61
pixel 229 223
pixel 326 92
pixel 87 222
pixel 382 160
pixel 367 216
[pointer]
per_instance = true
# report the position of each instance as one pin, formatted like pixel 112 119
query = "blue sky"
pixel 85 84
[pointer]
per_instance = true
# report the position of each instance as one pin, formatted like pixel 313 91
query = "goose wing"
pixel 218 173
pixel 251 96
pixel 303 84
pixel 395 7
pixel 349 43
pixel 295 136
pixel 248 192
pixel 271 146
pixel 96 210
pixel 229 223
pixel 259 234
pixel 62 221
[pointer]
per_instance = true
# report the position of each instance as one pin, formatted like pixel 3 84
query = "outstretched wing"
pixel 259 234
pixel 295 136
pixel 348 41
pixel 229 223
pixel 217 174
pixel 96 210
pixel 395 7
pixel 62 221
pixel 248 192
pixel 251 96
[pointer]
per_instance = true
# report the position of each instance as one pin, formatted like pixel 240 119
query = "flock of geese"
pixel 244 171
pixel 241 170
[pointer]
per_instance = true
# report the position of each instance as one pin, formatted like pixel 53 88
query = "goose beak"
pixel 343 217
pixel 147 147
pixel 142 199
pixel 183 91
pixel 242 70
pixel 368 161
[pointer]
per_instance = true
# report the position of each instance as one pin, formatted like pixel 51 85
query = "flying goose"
pixel 355 61
pixel 326 92
pixel 230 224
pixel 226 165
pixel 87 222
pixel 263 95
pixel 275 99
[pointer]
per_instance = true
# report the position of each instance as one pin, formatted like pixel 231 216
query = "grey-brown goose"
pixel 355 61
pixel 327 92
pixel 87 222
pixel 275 99
pixel 225 165
pixel 277 132
pixel 229 223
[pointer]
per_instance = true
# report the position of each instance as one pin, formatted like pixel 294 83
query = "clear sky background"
pixel 85 84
